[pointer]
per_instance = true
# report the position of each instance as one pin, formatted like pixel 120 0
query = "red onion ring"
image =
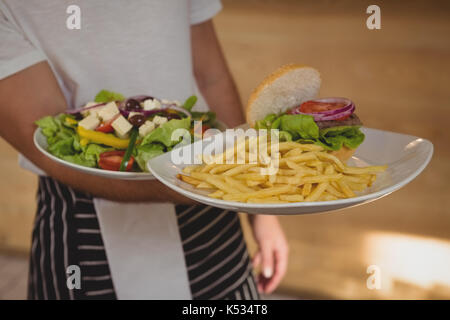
pixel 180 109
pixel 78 110
pixel 148 113
pixel 336 116
pixel 347 110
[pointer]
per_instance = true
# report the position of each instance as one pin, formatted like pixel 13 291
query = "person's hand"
pixel 272 254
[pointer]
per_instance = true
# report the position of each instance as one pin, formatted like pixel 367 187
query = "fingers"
pixel 267 259
pixel 256 259
pixel 281 259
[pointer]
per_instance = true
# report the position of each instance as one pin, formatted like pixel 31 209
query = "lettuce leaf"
pixel 207 118
pixel 92 151
pixel 64 142
pixel 147 152
pixel 285 136
pixel 266 123
pixel 159 141
pixel 190 102
pixel 163 134
pixel 303 129
pixel 80 159
pixel 299 126
pixel 336 137
pixel 107 96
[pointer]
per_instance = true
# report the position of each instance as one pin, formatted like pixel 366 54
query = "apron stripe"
pixel 85 215
pixel 204 229
pixel 218 236
pixel 220 264
pixel 52 243
pixel 218 250
pixel 64 250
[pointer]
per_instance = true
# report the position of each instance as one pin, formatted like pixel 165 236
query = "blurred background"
pixel 399 79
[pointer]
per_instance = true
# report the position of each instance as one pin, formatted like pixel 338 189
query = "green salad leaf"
pixel 107 96
pixel 147 152
pixel 190 102
pixel 163 134
pixel 64 142
pixel 299 126
pixel 336 137
pixel 302 128
pixel 285 136
pixel 207 118
pixel 266 123
pixel 160 140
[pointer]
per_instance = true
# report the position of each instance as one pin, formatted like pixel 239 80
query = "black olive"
pixel 132 105
pixel 137 120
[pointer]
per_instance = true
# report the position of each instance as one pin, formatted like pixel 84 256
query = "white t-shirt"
pixel 131 47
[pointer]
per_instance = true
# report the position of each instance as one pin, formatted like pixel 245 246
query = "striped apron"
pixel 66 232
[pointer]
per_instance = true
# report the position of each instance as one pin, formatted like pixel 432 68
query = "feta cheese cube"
pixel 146 128
pixel 132 113
pixel 121 127
pixel 151 104
pixel 109 111
pixel 159 120
pixel 124 136
pixel 94 111
pixel 90 122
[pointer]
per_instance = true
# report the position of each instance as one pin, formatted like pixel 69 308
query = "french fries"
pixel 305 172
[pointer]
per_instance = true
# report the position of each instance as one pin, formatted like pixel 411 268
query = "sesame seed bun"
pixel 287 87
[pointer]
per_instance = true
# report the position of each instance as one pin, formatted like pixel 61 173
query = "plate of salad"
pixel 114 136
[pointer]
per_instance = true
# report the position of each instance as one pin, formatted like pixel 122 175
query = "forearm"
pixel 213 76
pixel 112 189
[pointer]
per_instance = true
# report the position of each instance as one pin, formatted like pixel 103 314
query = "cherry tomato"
pixel 106 127
pixel 111 160
pixel 313 106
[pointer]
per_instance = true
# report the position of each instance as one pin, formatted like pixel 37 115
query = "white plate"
pixel 406 157
pixel 40 141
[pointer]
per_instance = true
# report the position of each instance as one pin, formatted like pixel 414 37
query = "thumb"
pixel 267 261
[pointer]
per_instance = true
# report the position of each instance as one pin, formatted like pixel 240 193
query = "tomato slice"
pixel 316 106
pixel 111 160
pixel 106 127
pixel 313 106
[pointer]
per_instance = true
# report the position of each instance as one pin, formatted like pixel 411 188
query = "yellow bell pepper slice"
pixel 103 138
pixel 84 142
pixel 71 121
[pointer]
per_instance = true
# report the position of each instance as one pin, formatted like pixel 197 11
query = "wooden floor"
pixel 14 277
pixel 398 77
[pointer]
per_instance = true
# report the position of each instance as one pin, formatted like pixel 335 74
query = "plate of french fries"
pixel 292 178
